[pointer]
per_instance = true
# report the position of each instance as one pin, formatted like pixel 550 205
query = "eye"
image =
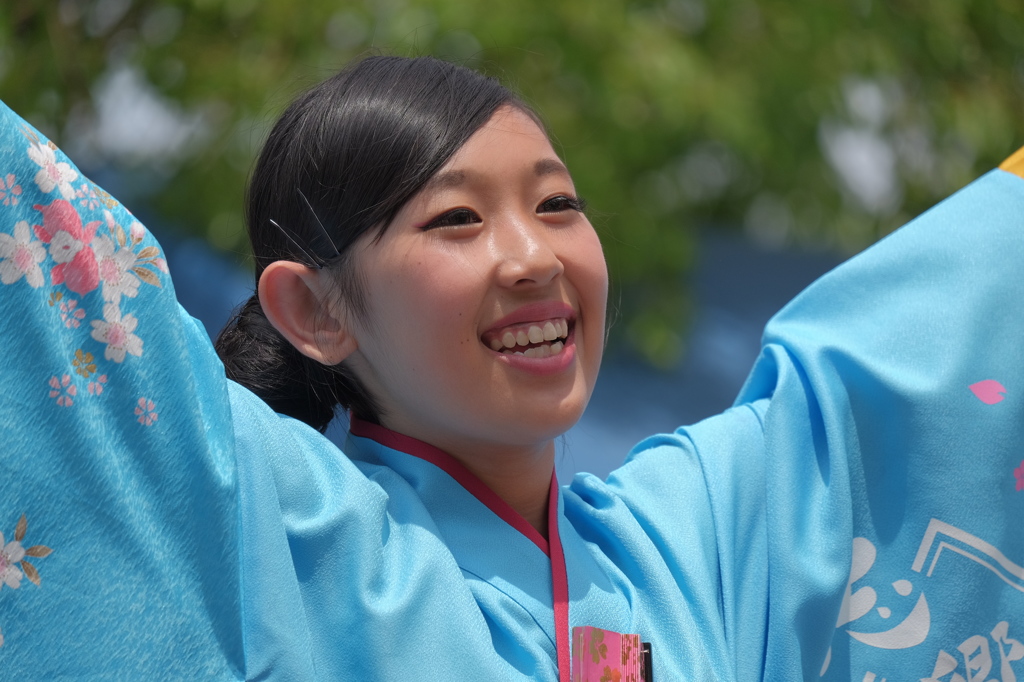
pixel 453 218
pixel 562 202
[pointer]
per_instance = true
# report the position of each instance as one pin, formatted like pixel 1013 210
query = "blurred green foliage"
pixel 826 123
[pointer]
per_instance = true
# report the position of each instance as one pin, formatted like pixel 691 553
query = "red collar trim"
pixel 463 476
pixel 559 585
pixel 479 490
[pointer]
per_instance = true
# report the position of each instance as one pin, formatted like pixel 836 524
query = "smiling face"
pixel 485 300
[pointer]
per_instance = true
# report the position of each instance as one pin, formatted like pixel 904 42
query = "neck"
pixel 520 476
pixel 523 481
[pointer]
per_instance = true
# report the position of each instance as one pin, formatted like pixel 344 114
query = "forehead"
pixel 510 141
pixel 508 124
pixel 511 116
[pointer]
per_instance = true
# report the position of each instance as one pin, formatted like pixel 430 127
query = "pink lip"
pixel 535 312
pixel 538 312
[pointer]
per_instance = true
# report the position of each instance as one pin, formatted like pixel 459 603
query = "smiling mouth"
pixel 538 340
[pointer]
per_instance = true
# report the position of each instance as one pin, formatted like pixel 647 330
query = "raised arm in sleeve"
pixel 881 429
pixel 118 501
pixel 159 521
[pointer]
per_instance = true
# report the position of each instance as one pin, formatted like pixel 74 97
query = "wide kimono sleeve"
pixel 118 509
pixel 158 521
pixel 861 505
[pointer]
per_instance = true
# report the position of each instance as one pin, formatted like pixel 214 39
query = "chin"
pixel 539 426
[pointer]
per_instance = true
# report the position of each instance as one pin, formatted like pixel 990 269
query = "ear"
pixel 295 300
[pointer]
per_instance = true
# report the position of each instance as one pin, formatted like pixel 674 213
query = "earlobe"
pixel 295 300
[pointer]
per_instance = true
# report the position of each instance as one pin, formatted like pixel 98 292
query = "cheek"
pixel 588 273
pixel 591 276
pixel 425 302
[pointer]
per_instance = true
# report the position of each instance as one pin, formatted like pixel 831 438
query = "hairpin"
pixel 316 261
pixel 323 230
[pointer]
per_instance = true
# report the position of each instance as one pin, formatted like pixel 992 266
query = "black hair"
pixel 343 159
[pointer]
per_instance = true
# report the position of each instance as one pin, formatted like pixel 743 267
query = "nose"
pixel 526 251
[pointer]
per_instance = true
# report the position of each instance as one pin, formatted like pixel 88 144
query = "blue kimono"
pixel 855 515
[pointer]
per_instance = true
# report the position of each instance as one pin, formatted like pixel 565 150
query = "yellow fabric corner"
pixel 1014 164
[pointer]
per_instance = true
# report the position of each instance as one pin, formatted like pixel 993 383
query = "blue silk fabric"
pixel 856 516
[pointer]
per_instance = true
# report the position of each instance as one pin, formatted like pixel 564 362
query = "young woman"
pixel 423 260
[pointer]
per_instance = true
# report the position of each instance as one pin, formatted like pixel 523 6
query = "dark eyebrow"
pixel 456 178
pixel 549 166
pixel 445 180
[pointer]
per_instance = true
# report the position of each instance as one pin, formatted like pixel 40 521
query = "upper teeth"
pixel 549 331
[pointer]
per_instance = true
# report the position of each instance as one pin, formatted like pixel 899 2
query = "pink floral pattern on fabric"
pixel 87 196
pixel 69 242
pixel 606 656
pixel 63 390
pixel 9 190
pixel 71 313
pixel 145 410
pixel 96 387
pixel 14 564
pixel 79 242
pixel 1019 475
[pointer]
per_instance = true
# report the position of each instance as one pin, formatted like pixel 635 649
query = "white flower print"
pixel 14 564
pixel 10 554
pixel 115 270
pixel 116 331
pixel 52 174
pixel 137 232
pixel 22 256
pixel 64 247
